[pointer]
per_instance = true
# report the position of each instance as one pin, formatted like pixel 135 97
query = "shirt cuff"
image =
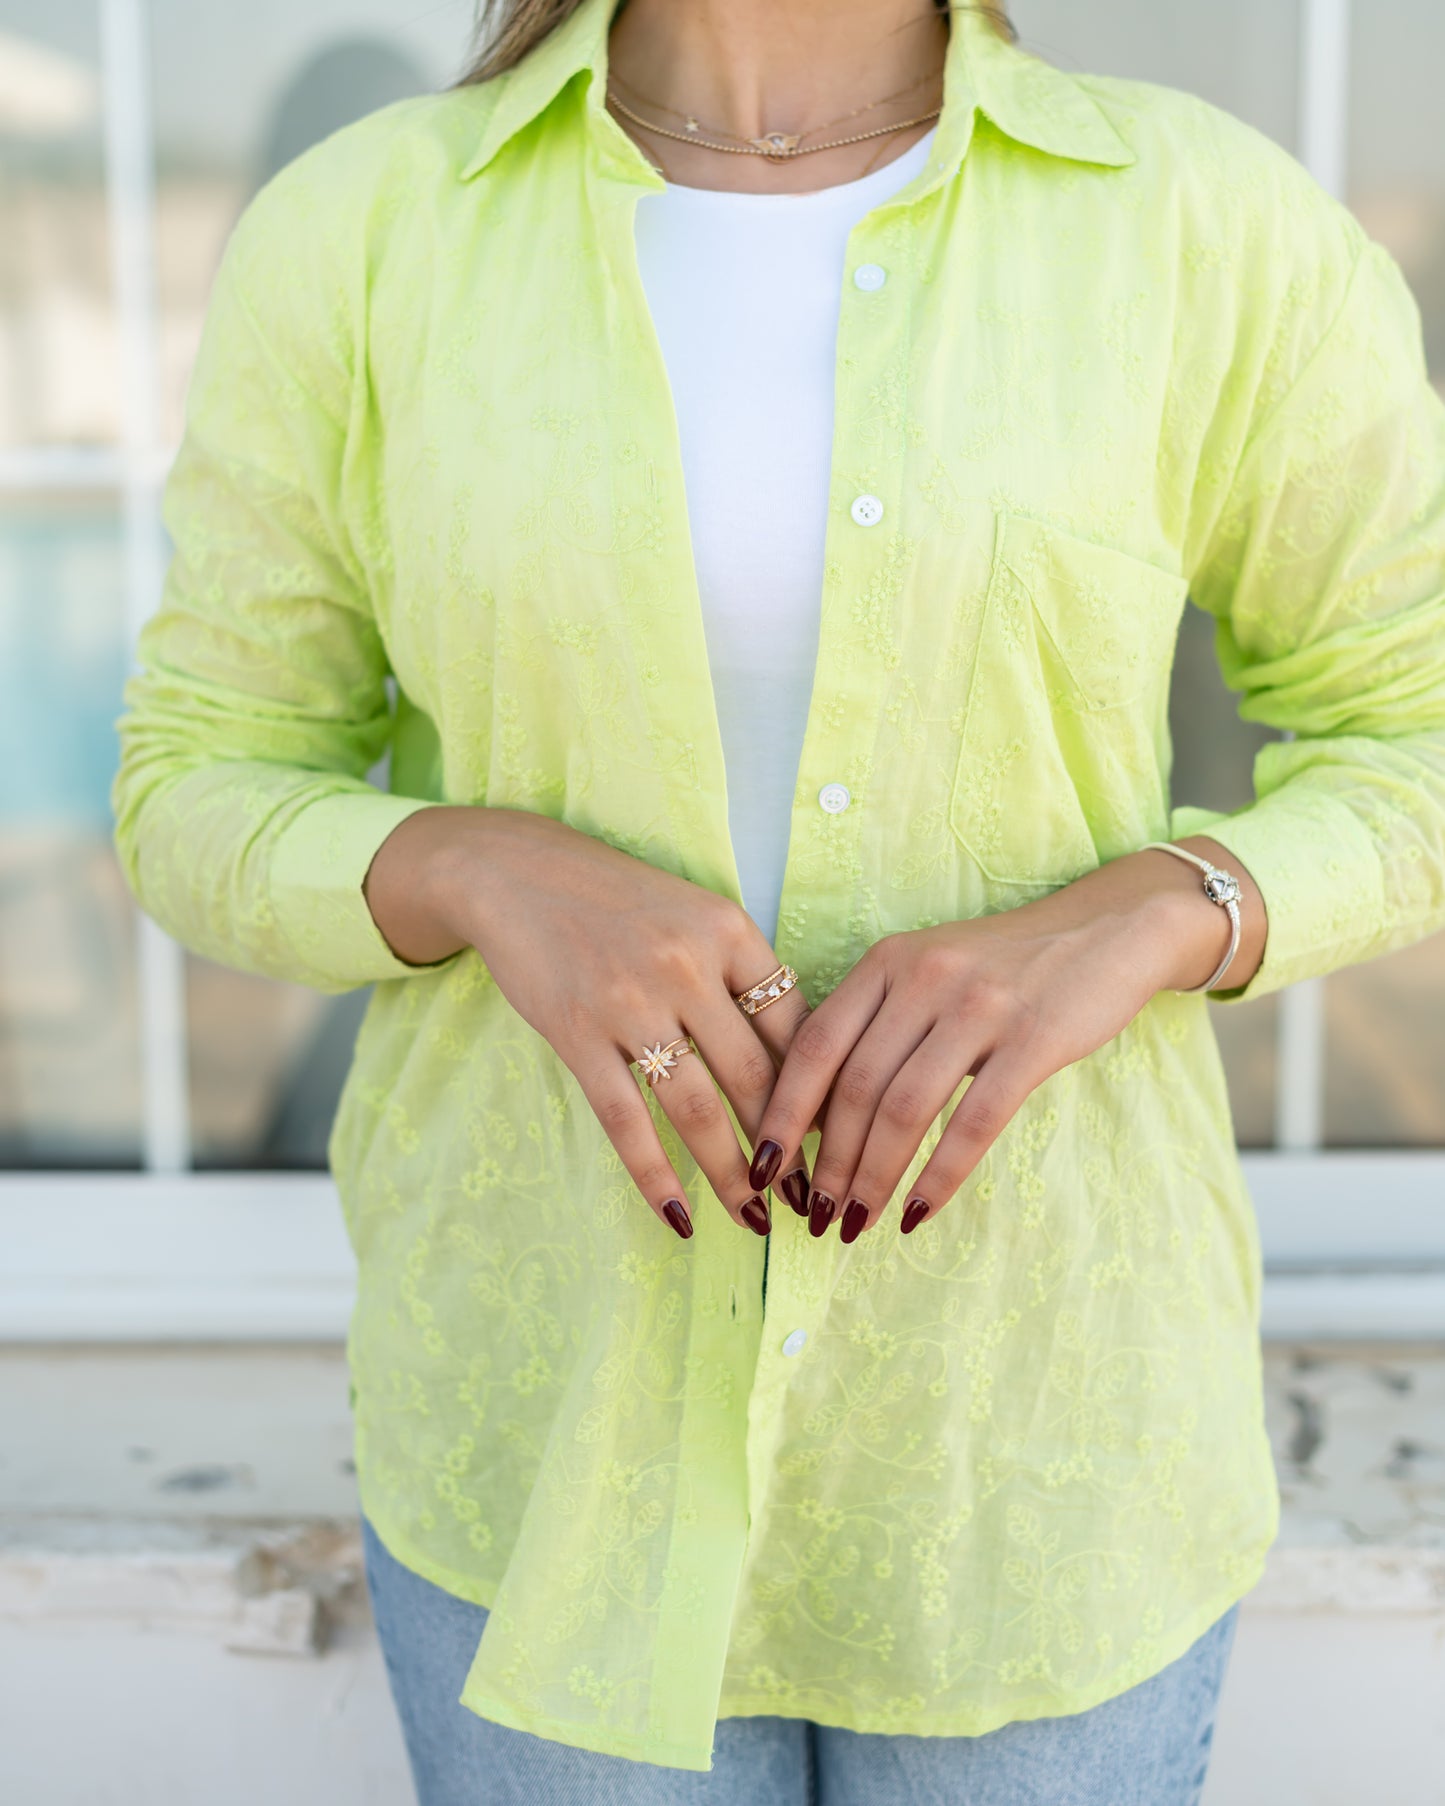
pixel 317 867
pixel 1319 874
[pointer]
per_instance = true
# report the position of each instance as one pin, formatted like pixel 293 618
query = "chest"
pixel 999 597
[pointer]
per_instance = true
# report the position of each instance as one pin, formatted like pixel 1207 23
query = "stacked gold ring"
pixel 768 990
pixel 655 1061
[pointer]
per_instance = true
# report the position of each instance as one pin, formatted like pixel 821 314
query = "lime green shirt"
pixel 1126 353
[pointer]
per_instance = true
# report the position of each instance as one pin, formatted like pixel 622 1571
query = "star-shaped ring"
pixel 655 1061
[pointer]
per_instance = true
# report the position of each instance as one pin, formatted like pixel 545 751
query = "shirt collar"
pixel 1024 97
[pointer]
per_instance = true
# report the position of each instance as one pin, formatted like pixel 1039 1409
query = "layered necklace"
pixel 777 147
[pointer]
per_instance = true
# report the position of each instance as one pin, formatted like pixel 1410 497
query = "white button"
pixel 870 276
pixel 867 510
pixel 835 798
pixel 793 1344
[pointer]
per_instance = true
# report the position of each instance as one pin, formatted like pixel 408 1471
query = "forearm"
pixel 426 875
pixel 1203 927
pixel 1181 936
pixel 413 886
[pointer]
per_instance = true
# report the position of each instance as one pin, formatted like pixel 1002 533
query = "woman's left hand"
pixel 1006 998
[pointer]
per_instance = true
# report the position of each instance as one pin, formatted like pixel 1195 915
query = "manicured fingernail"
pixel 794 1187
pixel 820 1212
pixel 765 1164
pixel 854 1217
pixel 755 1214
pixel 678 1217
pixel 917 1210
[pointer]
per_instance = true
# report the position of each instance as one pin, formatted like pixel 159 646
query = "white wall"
pixel 1332 1710
pixel 1319 1710
pixel 109 1714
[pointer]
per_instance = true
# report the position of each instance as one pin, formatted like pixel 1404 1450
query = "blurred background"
pixel 132 133
pixel 131 137
pixel 163 1120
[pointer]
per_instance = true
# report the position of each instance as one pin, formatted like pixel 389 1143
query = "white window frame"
pixel 1354 1240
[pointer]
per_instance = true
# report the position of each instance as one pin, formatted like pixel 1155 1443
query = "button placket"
pixel 843 691
pixel 789 1313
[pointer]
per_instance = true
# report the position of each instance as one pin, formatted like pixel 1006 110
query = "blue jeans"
pixel 1148 1746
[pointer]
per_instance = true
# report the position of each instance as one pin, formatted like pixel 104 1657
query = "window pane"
pixel 69 1085
pixel 1397 149
pixel 239 92
pixel 1385 1020
pixel 1240 54
pixel 267 1062
pixel 58 377
pixel 1385 1050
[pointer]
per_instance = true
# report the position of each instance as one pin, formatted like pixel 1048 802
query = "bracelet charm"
pixel 1221 886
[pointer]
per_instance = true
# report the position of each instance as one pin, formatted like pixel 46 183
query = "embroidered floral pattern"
pixel 1127 350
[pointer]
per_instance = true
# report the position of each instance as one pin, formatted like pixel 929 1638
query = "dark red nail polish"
pixel 917 1210
pixel 678 1217
pixel 854 1217
pixel 820 1212
pixel 765 1164
pixel 794 1187
pixel 755 1214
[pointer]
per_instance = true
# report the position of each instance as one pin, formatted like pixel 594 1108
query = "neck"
pixel 747 67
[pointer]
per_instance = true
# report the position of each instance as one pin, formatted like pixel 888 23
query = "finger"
pixel 742 1065
pixel 768 1166
pixel 906 1109
pixel 745 1070
pixel 610 1087
pixel 694 1106
pixel 775 1025
pixel 992 1100
pixel 819 1046
pixel 864 1080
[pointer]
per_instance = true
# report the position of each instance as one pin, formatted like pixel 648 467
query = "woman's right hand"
pixel 604 954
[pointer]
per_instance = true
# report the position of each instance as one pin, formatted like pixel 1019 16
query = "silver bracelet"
pixel 1220 887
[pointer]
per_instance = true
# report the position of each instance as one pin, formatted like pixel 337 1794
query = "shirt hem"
pixel 753 1705
pixel 979 1724
pixel 460 1586
pixel 637 1749
pixel 582 1737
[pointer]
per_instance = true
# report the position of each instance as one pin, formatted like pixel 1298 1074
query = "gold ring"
pixel 655 1061
pixel 768 990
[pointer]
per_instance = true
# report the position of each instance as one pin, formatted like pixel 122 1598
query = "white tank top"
pixel 744 290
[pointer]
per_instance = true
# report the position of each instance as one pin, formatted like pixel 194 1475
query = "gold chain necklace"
pixel 693 126
pixel 778 147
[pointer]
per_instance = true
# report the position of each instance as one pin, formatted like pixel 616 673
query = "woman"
pixel 770 446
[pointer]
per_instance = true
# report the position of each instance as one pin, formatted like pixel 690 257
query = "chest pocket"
pixel 1063 754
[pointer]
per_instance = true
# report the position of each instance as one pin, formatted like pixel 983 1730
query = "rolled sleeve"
pixel 1325 572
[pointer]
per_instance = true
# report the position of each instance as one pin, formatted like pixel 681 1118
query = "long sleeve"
pixel 243 819
pixel 1325 571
